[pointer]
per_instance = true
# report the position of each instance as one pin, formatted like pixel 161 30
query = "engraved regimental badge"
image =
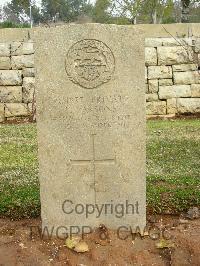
pixel 90 63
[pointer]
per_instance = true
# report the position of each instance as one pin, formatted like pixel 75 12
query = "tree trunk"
pixel 154 17
pixel 185 11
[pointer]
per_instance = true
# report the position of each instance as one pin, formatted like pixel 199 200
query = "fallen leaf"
pixel 81 247
pixel 165 244
pixel 71 242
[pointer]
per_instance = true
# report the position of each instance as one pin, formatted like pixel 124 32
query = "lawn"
pixel 173 168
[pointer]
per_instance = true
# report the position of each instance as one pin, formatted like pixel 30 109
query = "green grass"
pixel 173 168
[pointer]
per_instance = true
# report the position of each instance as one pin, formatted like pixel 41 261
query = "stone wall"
pixel 172 77
pixel 16 79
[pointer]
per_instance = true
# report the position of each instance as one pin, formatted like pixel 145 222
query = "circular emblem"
pixel 90 63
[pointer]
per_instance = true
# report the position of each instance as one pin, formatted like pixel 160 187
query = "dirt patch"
pixel 19 247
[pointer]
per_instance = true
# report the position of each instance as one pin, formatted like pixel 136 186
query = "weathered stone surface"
pixel 5 63
pixel 197 45
pixel 147 88
pixel 4 49
pixel 174 91
pixel 22 61
pixel 2 114
pixel 28 89
pixel 146 74
pixel 156 108
pixel 150 56
pixel 16 109
pixel 156 42
pixel 28 72
pixel 171 106
pixel 162 72
pixel 10 77
pixel 22 48
pixel 195 90
pixel 11 94
pixel 150 97
pixel 153 85
pixel 184 42
pixel 188 105
pixel 153 42
pixel 174 55
pixel 189 77
pixel 87 150
pixel 184 67
pixel 165 82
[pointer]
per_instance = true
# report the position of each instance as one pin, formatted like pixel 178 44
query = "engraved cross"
pixel 94 162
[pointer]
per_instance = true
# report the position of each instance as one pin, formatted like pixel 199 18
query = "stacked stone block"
pixel 172 76
pixel 16 79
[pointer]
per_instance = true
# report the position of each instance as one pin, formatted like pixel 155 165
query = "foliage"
pixel 9 24
pixel 18 11
pixel 65 10
pixel 103 11
pixel 100 11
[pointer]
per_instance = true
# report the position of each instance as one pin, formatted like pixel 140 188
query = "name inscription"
pixel 97 112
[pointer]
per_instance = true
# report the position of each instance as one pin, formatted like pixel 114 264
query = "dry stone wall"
pixel 172 75
pixel 17 78
pixel 171 72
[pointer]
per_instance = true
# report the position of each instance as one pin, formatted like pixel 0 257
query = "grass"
pixel 173 168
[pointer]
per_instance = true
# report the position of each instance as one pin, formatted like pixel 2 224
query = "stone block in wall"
pixel 195 90
pixel 22 48
pixel 11 94
pixel 172 41
pixel 2 114
pixel 4 49
pixel 28 72
pixel 28 89
pixel 153 85
pixel 174 91
pixel 188 105
pixel 16 109
pixel 153 42
pixel 177 41
pixel 150 56
pixel 165 82
pixel 156 108
pixel 10 77
pixel 159 72
pixel 197 45
pixel 22 61
pixel 5 62
pixel 147 88
pixel 188 77
pixel 171 106
pixel 150 97
pixel 146 74
pixel 175 55
pixel 184 67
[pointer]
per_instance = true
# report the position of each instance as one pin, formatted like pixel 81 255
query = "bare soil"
pixel 18 247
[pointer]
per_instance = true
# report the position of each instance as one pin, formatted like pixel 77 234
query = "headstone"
pixel 91 126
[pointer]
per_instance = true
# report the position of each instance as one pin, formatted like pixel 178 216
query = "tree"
pixel 185 11
pixel 127 8
pixel 64 10
pixel 18 11
pixel 160 11
pixel 100 11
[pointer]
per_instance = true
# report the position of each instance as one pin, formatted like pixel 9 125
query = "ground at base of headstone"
pixel 178 244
